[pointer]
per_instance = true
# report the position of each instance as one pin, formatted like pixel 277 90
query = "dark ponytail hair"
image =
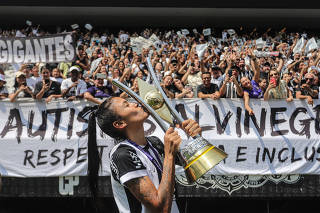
pixel 93 155
pixel 105 116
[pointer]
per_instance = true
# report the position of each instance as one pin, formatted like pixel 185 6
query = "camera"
pixel 230 73
pixel 303 81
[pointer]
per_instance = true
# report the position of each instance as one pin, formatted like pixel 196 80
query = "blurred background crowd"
pixel 189 63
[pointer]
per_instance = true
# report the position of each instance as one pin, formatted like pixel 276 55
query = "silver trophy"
pixel 197 156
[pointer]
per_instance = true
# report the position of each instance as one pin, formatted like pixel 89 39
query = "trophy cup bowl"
pixel 198 157
pixel 154 99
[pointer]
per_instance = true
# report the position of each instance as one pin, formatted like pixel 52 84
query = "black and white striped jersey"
pixel 128 162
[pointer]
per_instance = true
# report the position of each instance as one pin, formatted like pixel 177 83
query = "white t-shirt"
pixel 194 80
pixel 31 82
pixel 57 79
pixel 81 87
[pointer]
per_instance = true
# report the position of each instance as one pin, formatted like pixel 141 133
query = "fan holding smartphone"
pixel 277 88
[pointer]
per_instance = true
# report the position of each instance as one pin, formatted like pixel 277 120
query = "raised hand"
pixel 172 141
pixel 191 127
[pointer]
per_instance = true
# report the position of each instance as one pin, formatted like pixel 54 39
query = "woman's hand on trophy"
pixel 172 141
pixel 191 127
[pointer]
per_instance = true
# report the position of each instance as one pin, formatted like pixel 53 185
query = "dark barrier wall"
pixel 276 186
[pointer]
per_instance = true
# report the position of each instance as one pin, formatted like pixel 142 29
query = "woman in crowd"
pixel 57 75
pixel 121 67
pixel 277 89
pixel 182 91
pixel 21 90
pixel 116 73
pixel 167 86
pixel 251 89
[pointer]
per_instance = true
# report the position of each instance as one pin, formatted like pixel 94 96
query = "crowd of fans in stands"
pixel 233 65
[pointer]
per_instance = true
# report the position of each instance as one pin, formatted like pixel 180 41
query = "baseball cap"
pixel 74 68
pixel 19 73
pixel 2 78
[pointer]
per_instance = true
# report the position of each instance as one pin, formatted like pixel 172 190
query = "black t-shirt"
pixel 172 88
pixel 208 90
pixel 305 92
pixel 82 60
pixel 53 90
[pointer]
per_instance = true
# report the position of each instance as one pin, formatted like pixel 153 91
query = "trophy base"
pixel 204 160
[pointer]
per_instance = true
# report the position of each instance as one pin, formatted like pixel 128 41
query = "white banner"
pixel 200 48
pixel 168 34
pixel 299 45
pixel 231 32
pixel 206 32
pixel 311 45
pixel 138 43
pixel 155 41
pixel 185 32
pixel 260 43
pixel 47 49
pixel 39 140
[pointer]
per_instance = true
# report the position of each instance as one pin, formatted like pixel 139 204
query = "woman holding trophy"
pixel 142 168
